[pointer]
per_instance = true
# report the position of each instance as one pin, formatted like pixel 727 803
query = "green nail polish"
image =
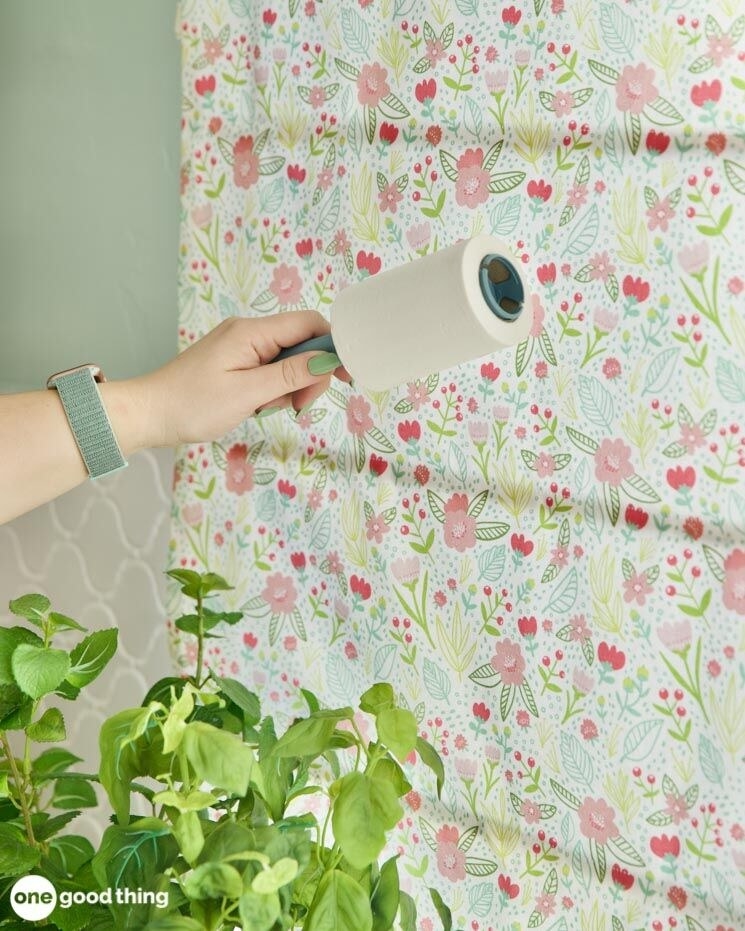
pixel 324 363
pixel 268 411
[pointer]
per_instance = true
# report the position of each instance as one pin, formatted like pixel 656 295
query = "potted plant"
pixel 226 841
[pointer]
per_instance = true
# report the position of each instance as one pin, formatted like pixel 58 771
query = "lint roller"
pixel 449 307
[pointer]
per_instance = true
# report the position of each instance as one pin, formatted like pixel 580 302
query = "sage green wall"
pixel 89 208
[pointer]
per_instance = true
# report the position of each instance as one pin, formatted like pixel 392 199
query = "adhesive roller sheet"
pixel 455 305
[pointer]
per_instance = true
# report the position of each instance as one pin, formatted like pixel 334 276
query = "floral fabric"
pixel 543 550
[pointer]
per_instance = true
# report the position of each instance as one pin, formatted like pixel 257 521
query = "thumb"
pixel 293 373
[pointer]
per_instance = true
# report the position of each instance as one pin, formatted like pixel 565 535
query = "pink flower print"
pixel 691 436
pixel 192 514
pixel 372 85
pixel 545 904
pixel 419 236
pixel 733 593
pixel 636 588
pixel 239 472
pixel 376 528
pixel 317 96
pixel 358 415
pixel 212 50
pixel 341 242
pixel 676 808
pixel 545 465
pixel 605 320
pixel 434 51
pixel 602 267
pixel 459 526
pixel 389 198
pixel 720 47
pixel 286 284
pixel 539 315
pixel 660 214
pixel 334 563
pixel 417 394
pixel 577 196
pixel 597 820
pixel 280 593
pixel 245 162
pixel 563 103
pixel 497 81
pixel 509 662
pixel 635 88
pixel 530 811
pixel 406 569
pixel 451 861
pixel 613 462
pixel 583 682
pixel 694 258
pixel 325 179
pixel 472 186
pixel 675 635
pixel 579 630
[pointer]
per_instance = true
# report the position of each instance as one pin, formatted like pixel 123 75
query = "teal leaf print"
pixel 330 212
pixel 731 381
pixel 356 33
pixel 457 463
pixel 712 763
pixel 594 515
pixel 581 866
pixel 491 563
pixel 436 681
pixel 584 234
pixel 242 8
pixel 618 30
pixel 613 148
pixel 321 532
pixel 481 899
pixel 467 7
pixel 735 175
pixel 576 761
pixel 339 677
pixel 722 892
pixel 473 118
pixel 506 215
pixel 660 370
pixel 565 595
pixel 641 740
pixel 385 658
pixel 596 401
pixel 271 197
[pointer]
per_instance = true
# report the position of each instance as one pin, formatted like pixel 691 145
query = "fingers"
pixel 268 335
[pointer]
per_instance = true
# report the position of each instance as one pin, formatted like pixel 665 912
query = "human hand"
pixel 228 375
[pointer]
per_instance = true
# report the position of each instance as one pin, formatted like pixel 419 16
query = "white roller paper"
pixel 423 317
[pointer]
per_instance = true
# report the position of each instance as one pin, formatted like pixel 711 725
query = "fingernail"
pixel 303 410
pixel 268 411
pixel 324 363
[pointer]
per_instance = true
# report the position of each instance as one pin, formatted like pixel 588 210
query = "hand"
pixel 228 375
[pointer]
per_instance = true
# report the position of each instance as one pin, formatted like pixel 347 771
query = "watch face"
pixel 96 371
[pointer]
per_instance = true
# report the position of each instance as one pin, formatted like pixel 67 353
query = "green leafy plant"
pixel 225 841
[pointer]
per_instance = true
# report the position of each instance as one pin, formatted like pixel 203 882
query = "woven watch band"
pixel 89 421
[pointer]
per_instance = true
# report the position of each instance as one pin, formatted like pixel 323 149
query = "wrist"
pixel 131 411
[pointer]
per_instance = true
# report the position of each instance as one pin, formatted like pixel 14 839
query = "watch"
pixel 89 422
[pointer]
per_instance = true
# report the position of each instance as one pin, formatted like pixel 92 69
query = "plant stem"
pixel 200 641
pixel 21 787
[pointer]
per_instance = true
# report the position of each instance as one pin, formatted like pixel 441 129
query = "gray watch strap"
pixel 89 421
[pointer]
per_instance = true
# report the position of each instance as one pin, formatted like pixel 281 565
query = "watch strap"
pixel 89 421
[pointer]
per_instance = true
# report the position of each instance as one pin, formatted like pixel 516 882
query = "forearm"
pixel 39 458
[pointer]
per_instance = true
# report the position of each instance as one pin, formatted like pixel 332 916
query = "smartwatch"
pixel 89 422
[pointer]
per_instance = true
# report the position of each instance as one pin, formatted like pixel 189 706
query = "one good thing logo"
pixel 33 898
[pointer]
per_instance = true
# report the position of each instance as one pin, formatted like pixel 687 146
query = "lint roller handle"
pixel 317 344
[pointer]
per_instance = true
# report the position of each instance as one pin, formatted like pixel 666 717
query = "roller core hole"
pixel 501 287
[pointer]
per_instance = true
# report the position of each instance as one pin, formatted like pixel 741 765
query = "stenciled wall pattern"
pixel 542 550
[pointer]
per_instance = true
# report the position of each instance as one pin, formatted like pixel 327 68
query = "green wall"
pixel 89 208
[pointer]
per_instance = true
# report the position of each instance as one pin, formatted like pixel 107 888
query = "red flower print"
pixel 245 162
pixel 621 877
pixel 716 143
pixel 677 896
pixel 296 173
pixel 511 16
pixel 409 430
pixel 304 248
pixel 472 186
pixel 250 640
pixel 239 472
pixel 205 85
pixel 510 889
pixel 388 133
pixel 508 662
pixel 481 711
pixel 597 820
pixel 421 474
pixel 520 545
pixel 269 17
pixel 350 650
pixel 378 465
pixel 372 85
pixel 539 190
pixel 657 141
pixel 664 846
pixel 528 626
pixel 635 517
pixel 694 527
pixel 360 587
pixel 367 261
pixel 215 125
pixel 636 288
pixel 414 800
pixel 434 135
pixel 680 477
pixel 704 92
pixel 547 273
pixel 614 657
pixel 460 527
pixel 733 591
pixel 298 560
pixel 426 90
pixel 490 370
pixel 287 489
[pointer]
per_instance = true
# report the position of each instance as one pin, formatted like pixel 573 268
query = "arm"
pixel 199 396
